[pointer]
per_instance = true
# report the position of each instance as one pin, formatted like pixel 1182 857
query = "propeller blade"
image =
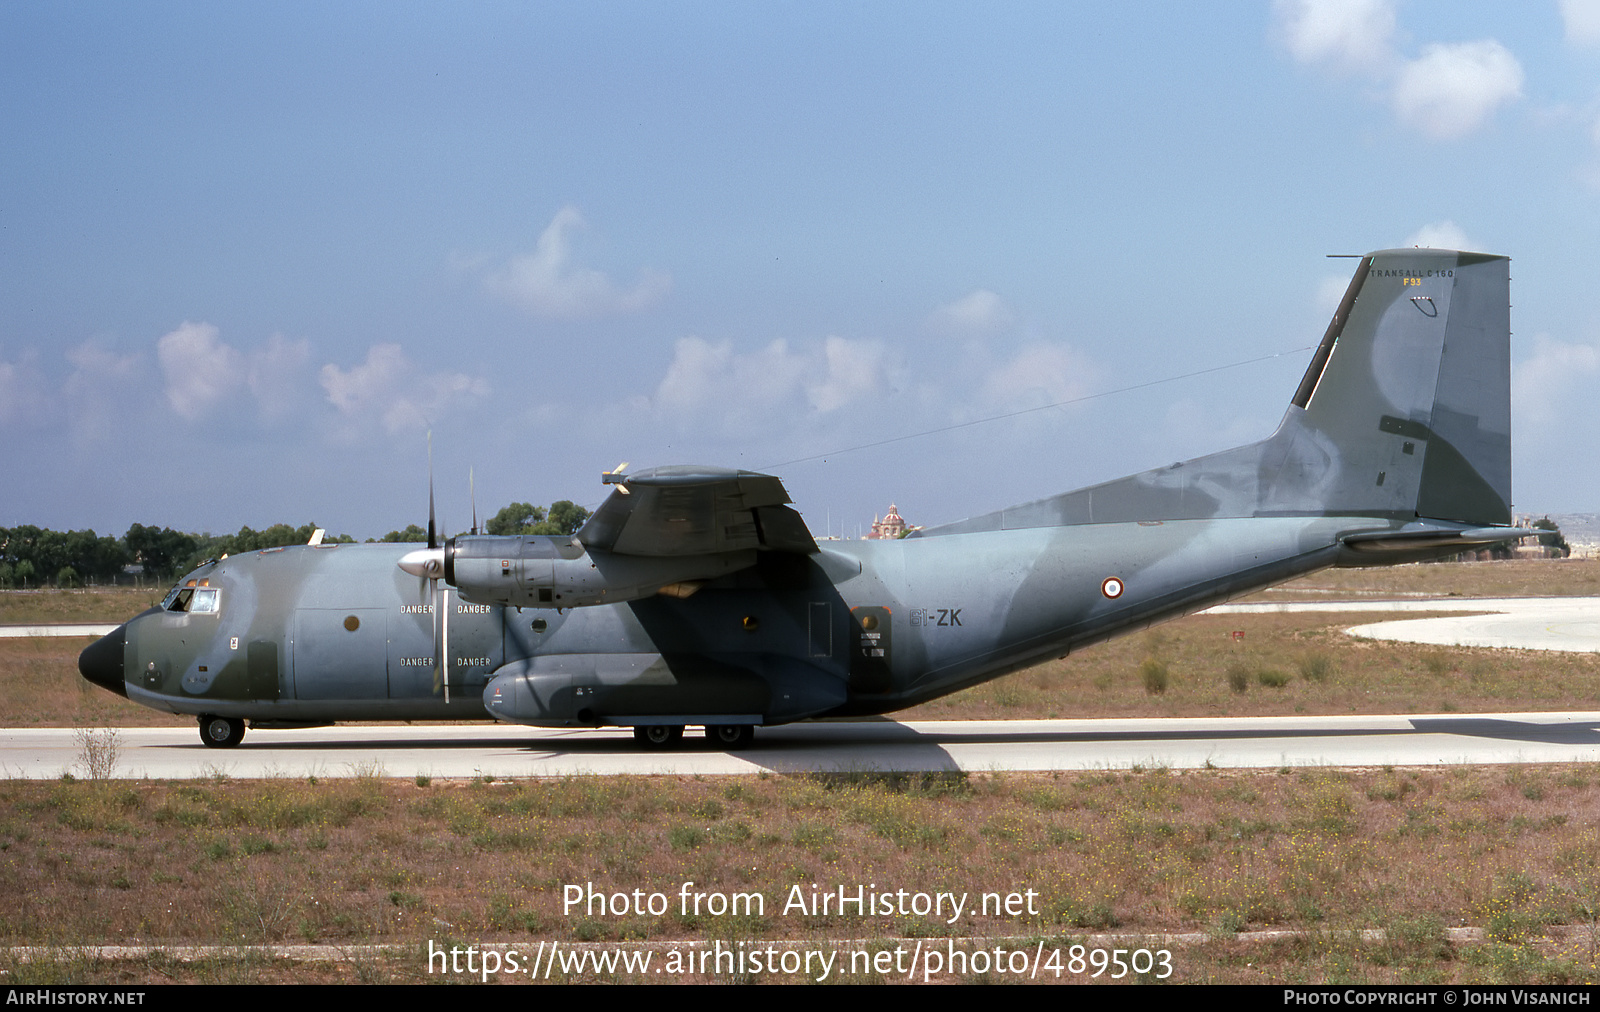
pixel 433 537
pixel 433 625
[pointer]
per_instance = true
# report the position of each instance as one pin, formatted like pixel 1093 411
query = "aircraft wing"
pixel 692 510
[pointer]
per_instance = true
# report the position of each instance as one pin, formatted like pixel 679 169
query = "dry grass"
pixel 92 604
pixel 1323 853
pixel 1284 664
pixel 43 689
pixel 1511 578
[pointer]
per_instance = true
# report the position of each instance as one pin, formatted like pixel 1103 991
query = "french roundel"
pixel 1111 587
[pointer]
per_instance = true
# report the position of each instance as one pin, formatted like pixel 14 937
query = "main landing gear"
pixel 660 737
pixel 731 736
pixel 221 732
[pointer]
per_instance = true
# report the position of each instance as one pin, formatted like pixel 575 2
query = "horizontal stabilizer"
pixel 1466 539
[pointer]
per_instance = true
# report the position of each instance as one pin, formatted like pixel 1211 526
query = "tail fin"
pixel 1406 406
pixel 1404 413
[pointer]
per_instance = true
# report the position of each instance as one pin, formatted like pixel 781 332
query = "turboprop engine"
pixel 559 572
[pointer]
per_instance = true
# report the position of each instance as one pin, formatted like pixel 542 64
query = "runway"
pixel 856 746
pixel 56 629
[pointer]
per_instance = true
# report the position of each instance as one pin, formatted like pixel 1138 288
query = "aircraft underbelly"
pixel 578 689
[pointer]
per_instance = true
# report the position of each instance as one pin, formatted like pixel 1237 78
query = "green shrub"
pixel 1238 677
pixel 1272 678
pixel 1155 675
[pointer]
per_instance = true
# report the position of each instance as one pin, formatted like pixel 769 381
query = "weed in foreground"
pixel 1272 678
pixel 1316 667
pixel 1157 679
pixel 1238 678
pixel 98 751
pixel 928 783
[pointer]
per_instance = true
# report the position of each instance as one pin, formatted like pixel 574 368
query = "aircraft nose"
pixel 101 661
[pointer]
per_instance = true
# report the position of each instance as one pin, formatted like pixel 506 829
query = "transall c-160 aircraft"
pixel 696 595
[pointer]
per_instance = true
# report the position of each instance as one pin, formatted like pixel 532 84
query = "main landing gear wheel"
pixel 731 736
pixel 658 736
pixel 221 732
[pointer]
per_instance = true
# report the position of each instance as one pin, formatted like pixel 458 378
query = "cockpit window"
pixel 196 600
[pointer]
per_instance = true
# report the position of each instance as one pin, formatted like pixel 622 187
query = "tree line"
pixel 37 556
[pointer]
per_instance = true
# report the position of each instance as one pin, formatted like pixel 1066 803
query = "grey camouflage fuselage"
pixel 695 596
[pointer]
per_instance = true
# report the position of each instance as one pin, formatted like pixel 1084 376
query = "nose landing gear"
pixel 221 732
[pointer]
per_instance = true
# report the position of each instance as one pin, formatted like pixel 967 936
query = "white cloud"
pixel 201 371
pixel 702 373
pixel 772 388
pixel 1452 89
pixel 1581 20
pixel 1447 92
pixel 1345 35
pixel 1439 235
pixel 1038 374
pixel 980 313
pixel 278 376
pixel 388 388
pixel 855 370
pixel 1330 292
pixel 103 391
pixel 1549 385
pixel 24 400
pixel 545 282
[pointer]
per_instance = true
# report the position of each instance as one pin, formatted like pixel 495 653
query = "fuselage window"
pixel 180 600
pixel 206 601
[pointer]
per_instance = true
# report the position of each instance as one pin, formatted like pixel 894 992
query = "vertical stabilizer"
pixel 1404 413
pixel 1406 408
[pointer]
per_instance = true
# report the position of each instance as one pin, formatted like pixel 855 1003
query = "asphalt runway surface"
pixel 477 750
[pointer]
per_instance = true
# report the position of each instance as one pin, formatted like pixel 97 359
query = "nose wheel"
pixel 221 732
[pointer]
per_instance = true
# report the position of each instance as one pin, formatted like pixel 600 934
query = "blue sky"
pixel 250 256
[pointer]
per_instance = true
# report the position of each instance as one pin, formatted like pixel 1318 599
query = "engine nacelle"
pixel 558 572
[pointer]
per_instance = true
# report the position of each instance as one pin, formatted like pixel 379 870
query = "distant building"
pixel 890 527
